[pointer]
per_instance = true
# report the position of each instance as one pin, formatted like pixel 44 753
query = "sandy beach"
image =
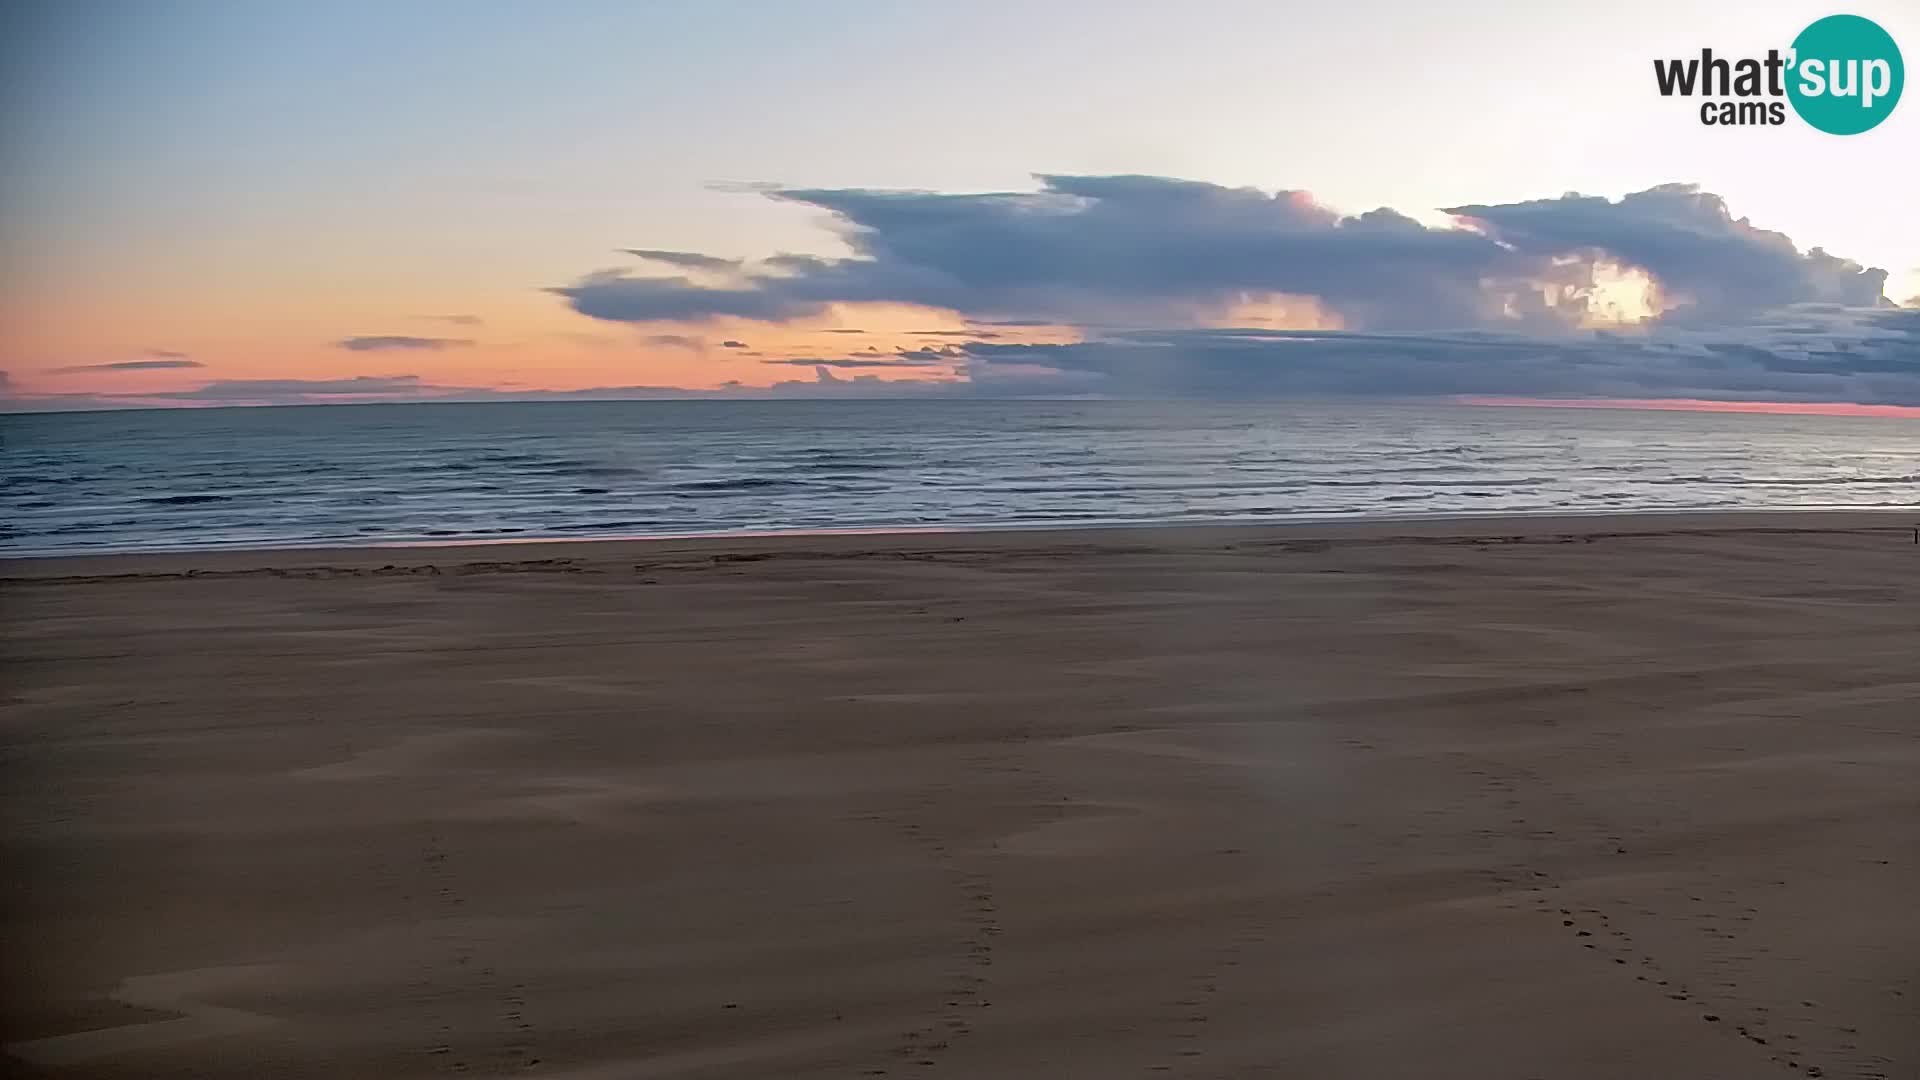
pixel 1569 799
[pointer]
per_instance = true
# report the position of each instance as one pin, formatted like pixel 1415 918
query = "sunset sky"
pixel 263 202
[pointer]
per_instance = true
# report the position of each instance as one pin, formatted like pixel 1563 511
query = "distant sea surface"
pixel 337 475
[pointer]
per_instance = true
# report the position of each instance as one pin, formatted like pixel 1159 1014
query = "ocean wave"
pixel 1784 481
pixel 1478 482
pixel 596 526
pixel 840 465
pixel 585 467
pixel 745 483
pixel 185 500
pixel 90 526
pixel 998 465
pixel 605 470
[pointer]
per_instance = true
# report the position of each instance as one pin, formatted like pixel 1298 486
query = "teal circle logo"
pixel 1846 75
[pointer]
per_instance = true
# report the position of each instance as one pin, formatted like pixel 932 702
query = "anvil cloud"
pixel 1500 298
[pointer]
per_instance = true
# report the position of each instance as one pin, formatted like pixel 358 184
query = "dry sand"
pixel 1560 799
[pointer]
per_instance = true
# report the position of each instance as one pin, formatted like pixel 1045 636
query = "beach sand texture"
pixel 1596 798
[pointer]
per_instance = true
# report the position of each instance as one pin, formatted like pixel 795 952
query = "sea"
pixel 380 474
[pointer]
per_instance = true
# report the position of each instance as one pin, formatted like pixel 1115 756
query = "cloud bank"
pixel 1150 286
pixel 381 389
pixel 1808 353
pixel 129 365
pixel 384 342
pixel 1687 240
pixel 358 386
pixel 1663 292
pixel 150 360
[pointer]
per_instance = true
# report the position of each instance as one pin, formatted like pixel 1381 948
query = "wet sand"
pixel 1567 799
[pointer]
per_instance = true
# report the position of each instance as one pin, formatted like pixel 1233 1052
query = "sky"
pixel 256 202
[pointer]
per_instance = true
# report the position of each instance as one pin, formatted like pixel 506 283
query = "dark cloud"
pixel 733 344
pixel 1716 266
pixel 166 354
pixel 686 260
pixel 1502 302
pixel 1135 248
pixel 676 341
pixel 614 296
pixel 837 362
pixel 930 355
pixel 825 384
pixel 946 356
pixel 382 342
pixel 855 362
pixel 1810 353
pixel 1092 249
pixel 131 365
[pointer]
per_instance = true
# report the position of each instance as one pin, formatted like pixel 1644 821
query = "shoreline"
pixel 601 549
